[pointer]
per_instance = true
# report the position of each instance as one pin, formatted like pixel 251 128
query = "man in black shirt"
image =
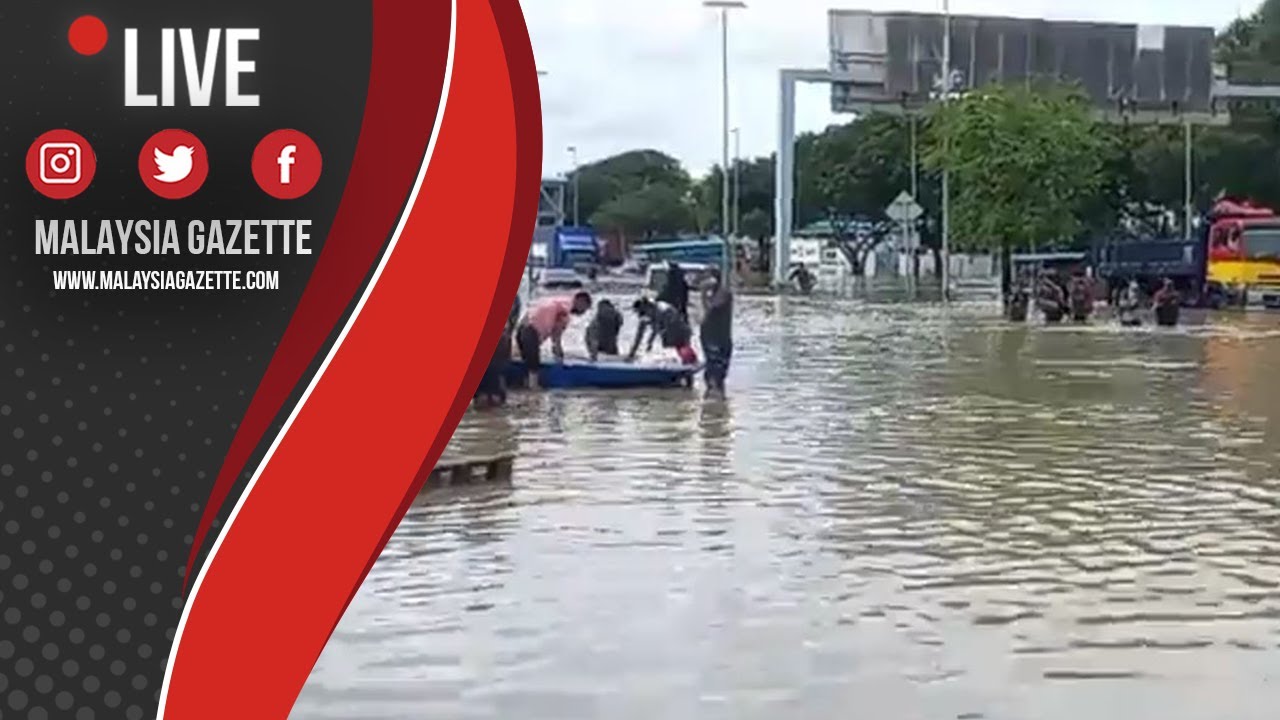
pixel 663 319
pixel 602 332
pixel 675 292
pixel 492 391
pixel 716 332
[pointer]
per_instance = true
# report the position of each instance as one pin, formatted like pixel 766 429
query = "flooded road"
pixel 910 512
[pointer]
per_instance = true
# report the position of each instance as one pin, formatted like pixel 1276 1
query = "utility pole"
pixel 946 179
pixel 573 153
pixel 737 182
pixel 1188 202
pixel 724 6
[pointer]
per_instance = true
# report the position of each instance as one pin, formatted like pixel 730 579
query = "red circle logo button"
pixel 173 164
pixel 61 164
pixel 286 164
pixel 87 35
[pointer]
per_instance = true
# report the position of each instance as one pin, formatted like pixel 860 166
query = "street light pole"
pixel 573 153
pixel 915 162
pixel 1188 203
pixel 724 6
pixel 737 181
pixel 946 179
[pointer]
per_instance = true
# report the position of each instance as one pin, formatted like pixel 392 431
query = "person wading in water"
pixel 603 331
pixel 1129 304
pixel 675 291
pixel 716 332
pixel 1050 299
pixel 1080 291
pixel 492 391
pixel 546 320
pixel 1019 301
pixel 1168 304
pixel 660 319
pixel 800 275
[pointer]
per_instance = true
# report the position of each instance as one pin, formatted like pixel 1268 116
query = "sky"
pixel 631 74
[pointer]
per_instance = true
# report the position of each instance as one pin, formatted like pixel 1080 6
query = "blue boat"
pixel 604 375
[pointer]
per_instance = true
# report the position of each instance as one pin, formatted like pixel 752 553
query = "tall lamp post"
pixel 528 266
pixel 724 6
pixel 737 182
pixel 946 179
pixel 573 154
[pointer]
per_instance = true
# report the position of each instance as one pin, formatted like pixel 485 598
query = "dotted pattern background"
pixel 116 409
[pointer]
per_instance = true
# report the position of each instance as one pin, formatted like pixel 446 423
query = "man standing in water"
pixel 675 292
pixel 1080 297
pixel 492 390
pixel 716 332
pixel 603 330
pixel 1129 304
pixel 1167 302
pixel 547 319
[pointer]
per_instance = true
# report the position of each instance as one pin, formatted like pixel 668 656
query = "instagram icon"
pixel 61 164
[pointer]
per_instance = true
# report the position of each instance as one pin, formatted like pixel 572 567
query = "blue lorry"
pixel 1150 260
pixel 565 247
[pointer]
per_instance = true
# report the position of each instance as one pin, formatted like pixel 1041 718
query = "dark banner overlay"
pixel 198 201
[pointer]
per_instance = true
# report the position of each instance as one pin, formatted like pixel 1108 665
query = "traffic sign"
pixel 904 208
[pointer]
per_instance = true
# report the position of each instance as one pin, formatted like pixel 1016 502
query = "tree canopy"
pixel 1023 162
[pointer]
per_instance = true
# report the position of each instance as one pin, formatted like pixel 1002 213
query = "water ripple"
pixel 915 511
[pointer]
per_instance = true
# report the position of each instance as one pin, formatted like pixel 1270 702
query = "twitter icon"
pixel 173 164
pixel 176 167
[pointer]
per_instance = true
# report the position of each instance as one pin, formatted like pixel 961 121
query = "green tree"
pixel 625 174
pixel 706 202
pixel 862 166
pixel 754 180
pixel 650 211
pixel 1024 163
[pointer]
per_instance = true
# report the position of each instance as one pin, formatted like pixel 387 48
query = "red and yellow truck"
pixel 1243 255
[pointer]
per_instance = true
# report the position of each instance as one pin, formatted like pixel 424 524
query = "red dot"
pixel 88 35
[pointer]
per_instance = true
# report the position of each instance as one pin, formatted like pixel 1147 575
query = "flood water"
pixel 900 512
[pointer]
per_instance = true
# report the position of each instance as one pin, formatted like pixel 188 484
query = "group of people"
pixel 664 319
pixel 1058 297
pixel 1166 304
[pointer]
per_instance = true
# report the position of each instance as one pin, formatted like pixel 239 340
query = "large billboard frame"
pixel 1223 92
pixel 891 62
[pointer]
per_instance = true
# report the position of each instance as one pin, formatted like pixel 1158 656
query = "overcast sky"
pixel 627 74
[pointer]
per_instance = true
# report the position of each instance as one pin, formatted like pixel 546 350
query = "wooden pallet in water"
pixel 466 472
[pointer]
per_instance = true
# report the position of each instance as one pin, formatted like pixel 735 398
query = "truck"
pixel 575 247
pixel 1150 261
pixel 1234 259
pixel 565 247
pixel 1243 248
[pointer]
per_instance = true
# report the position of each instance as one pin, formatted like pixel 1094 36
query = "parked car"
pixel 560 279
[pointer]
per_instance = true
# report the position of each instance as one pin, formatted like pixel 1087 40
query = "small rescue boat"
pixel 611 375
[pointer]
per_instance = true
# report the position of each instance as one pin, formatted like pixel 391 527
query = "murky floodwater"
pixel 900 512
